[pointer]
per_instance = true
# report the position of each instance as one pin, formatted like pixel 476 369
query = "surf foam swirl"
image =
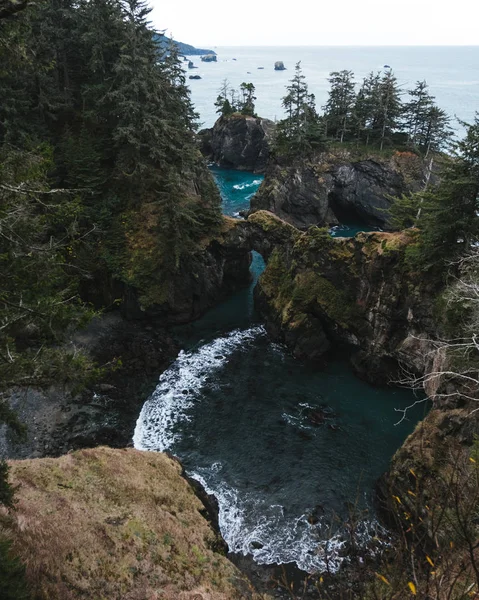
pixel 245 186
pixel 274 538
pixel 180 387
pixel 248 522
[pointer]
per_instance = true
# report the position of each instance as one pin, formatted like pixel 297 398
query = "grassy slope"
pixel 109 524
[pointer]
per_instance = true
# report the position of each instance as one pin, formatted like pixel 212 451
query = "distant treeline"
pixel 376 111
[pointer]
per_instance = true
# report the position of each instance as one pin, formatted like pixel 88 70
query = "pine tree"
pixel 338 111
pixel 301 131
pixel 389 111
pixel 447 215
pixel 416 111
pixel 247 98
pixel 365 109
pixel 223 104
pixel 436 132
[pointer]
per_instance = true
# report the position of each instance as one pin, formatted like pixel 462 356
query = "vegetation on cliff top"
pixel 106 523
pixel 229 101
pixel 447 215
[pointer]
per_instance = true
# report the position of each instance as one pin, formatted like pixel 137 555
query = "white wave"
pixel 180 387
pixel 249 525
pixel 248 522
pixel 244 186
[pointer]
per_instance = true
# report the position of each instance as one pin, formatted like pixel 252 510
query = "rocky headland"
pixel 339 186
pixel 238 142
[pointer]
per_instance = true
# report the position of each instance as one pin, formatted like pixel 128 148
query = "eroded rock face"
pixel 318 292
pixel 364 189
pixel 238 142
pixel 332 188
pixel 298 195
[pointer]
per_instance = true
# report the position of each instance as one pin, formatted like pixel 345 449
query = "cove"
pixel 287 449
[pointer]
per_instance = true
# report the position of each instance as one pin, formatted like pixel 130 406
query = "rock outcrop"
pixel 337 187
pixel 279 66
pixel 317 292
pixel 238 142
pixel 112 524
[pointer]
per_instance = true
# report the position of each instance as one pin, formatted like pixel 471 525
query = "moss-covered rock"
pixel 357 291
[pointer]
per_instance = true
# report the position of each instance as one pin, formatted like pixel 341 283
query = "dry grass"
pixel 115 524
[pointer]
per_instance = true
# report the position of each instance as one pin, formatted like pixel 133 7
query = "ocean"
pixel 451 72
pixel 234 408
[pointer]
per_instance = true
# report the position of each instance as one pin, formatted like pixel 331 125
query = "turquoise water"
pixel 285 448
pixel 236 189
pixel 451 72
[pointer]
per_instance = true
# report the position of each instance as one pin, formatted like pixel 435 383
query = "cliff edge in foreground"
pixel 112 524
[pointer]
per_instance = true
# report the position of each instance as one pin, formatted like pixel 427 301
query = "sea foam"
pixel 249 523
pixel 244 186
pixel 180 387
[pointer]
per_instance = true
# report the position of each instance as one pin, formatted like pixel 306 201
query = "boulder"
pixel 194 77
pixel 238 142
pixel 279 66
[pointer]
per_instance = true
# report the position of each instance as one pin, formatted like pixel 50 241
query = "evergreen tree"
pixel 365 109
pixel 389 111
pixel 247 98
pixel 447 216
pixel 223 104
pixel 96 125
pixel 338 111
pixel 427 126
pixel 416 110
pixel 301 131
pixel 436 132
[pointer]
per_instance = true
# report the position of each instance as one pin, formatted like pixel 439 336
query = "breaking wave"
pixel 250 523
pixel 245 186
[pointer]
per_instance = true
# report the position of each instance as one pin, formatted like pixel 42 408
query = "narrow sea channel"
pixel 239 412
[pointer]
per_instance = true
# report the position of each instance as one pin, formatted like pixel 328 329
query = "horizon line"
pixel 338 45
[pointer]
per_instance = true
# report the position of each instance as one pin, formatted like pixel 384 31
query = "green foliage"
pixel 229 102
pixel 301 132
pixel 427 126
pixel 12 574
pixel 247 99
pixel 447 216
pixel 338 112
pixel 6 490
pixel 404 212
pixel 100 176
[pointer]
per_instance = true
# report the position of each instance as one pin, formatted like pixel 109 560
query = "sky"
pixel 316 23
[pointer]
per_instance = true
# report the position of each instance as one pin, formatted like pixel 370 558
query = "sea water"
pixel 451 72
pixel 238 410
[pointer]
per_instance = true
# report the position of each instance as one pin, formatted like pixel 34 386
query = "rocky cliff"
pixel 318 292
pixel 238 142
pixel 113 524
pixel 363 295
pixel 337 187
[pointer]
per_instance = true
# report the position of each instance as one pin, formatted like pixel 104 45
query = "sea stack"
pixel 279 66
